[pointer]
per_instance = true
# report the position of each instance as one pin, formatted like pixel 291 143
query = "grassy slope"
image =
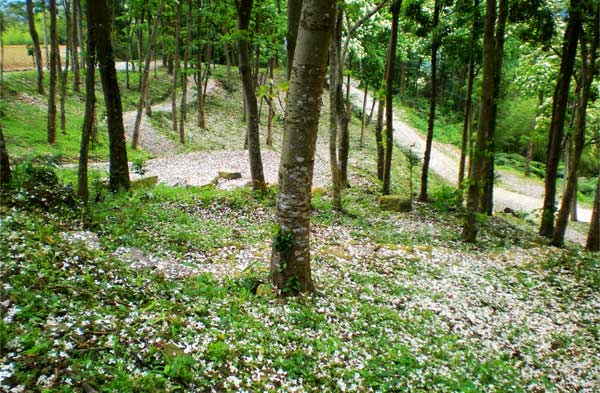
pixel 403 304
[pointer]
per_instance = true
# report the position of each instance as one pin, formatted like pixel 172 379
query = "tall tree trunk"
pixel 271 106
pixel 364 116
pixel 379 138
pixel 468 105
pixel 477 169
pixel 432 102
pixel 5 174
pixel 290 262
pixel 487 201
pixel 65 72
pixel 588 69
pixel 37 52
pixel 45 30
pixel 593 238
pixel 99 17
pixel 53 74
pixel 389 115
pixel 293 19
pixel 144 86
pixel 88 118
pixel 344 120
pixel 559 106
pixel 176 69
pixel 252 125
pixel 184 79
pixel 78 19
pixel 336 107
pixel 75 44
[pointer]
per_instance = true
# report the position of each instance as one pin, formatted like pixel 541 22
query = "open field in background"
pixel 16 57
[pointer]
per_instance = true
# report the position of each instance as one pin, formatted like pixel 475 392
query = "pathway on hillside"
pixel 514 193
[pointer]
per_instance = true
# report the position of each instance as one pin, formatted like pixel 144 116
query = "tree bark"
pixel 144 86
pixel 588 69
pixel 75 46
pixel 389 117
pixel 37 52
pixel 5 173
pixel 477 169
pixel 65 72
pixel 336 107
pixel 435 43
pixel 363 116
pixel 593 238
pixel 290 262
pixel 293 19
pixel 53 74
pixel 256 168
pixel 487 202
pixel 88 118
pixel 176 70
pixel 99 17
pixel 184 79
pixel 559 106
pixel 379 138
pixel 271 106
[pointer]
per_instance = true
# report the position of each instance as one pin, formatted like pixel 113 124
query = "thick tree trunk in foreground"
pixel 389 116
pixel 588 68
pixel 432 102
pixel 252 125
pixel 477 170
pixel 4 161
pixel 144 85
pixel 53 75
pixel 88 118
pixel 37 52
pixel 559 108
pixel 119 169
pixel 290 263
pixel 293 19
pixel 593 239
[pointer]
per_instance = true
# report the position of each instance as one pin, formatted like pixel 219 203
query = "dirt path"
pixel 514 193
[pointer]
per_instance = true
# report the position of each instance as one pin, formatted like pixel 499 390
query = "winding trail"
pixel 513 192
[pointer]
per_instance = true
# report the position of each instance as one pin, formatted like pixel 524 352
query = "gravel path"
pixel 517 194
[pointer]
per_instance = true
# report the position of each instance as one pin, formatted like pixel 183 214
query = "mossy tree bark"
pixel 252 123
pixel 588 69
pixel 557 124
pixel 290 262
pixel 101 22
pixel 37 52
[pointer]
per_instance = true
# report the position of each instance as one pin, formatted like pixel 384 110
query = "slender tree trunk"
pixel 144 87
pixel 468 106
pixel 184 79
pixel 379 138
pixel 176 69
pixel 344 121
pixel 199 77
pixel 372 109
pixel 256 168
pixel 487 202
pixel 335 107
pixel 559 106
pixel 588 68
pixel 45 34
pixel 593 238
pixel 99 17
pixel 140 38
pixel 389 116
pixel 271 106
pixel 88 118
pixel 5 173
pixel 432 103
pixel 477 169
pixel 293 19
pixel 78 19
pixel 65 72
pixel 53 72
pixel 227 59
pixel 75 47
pixel 363 116
pixel 37 52
pixel 290 262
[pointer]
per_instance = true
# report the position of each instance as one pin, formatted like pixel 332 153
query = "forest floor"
pixel 166 288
